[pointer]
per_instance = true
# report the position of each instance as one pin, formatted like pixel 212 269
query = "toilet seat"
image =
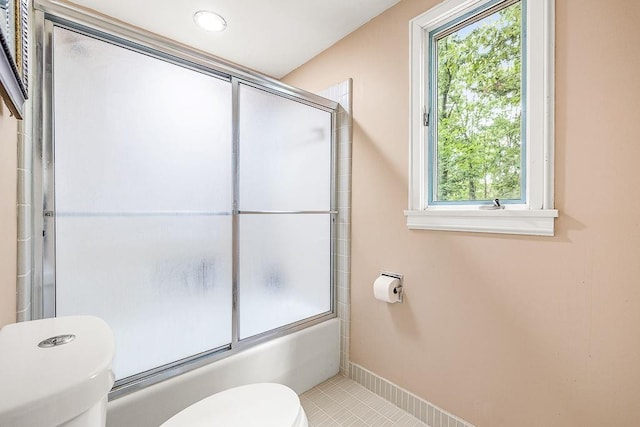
pixel 253 405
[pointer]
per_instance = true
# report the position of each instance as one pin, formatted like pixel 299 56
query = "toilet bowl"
pixel 253 405
pixel 55 372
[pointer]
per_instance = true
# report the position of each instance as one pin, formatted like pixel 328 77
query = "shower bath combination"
pixel 196 218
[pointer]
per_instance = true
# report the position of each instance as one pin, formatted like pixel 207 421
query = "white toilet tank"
pixel 55 372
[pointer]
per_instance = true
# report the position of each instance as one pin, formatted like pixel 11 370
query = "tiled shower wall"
pixel 25 268
pixel 25 223
pixel 341 93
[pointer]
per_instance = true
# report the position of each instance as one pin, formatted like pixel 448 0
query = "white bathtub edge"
pixel 299 360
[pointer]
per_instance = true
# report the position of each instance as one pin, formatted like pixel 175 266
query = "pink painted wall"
pixel 8 219
pixel 505 330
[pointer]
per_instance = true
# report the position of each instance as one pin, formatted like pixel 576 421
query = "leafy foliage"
pixel 479 110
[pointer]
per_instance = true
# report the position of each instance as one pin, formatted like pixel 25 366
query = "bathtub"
pixel 299 360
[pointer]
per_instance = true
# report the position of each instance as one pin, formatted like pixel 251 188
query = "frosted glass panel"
pixel 143 176
pixel 134 133
pixel 285 153
pixel 285 272
pixel 161 283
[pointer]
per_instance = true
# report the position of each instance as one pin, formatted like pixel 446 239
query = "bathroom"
pixel 494 329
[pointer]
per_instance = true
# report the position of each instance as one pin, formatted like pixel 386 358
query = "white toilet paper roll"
pixel 383 289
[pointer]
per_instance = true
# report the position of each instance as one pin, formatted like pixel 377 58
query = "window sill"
pixel 507 221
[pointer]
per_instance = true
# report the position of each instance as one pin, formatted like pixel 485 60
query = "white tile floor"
pixel 340 401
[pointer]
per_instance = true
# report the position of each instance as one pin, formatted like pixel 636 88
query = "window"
pixel 482 117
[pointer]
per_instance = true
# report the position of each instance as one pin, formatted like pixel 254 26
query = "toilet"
pixel 262 404
pixel 55 372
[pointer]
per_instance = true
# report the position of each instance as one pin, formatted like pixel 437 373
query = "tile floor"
pixel 340 401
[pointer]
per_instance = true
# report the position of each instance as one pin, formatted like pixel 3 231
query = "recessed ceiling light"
pixel 209 21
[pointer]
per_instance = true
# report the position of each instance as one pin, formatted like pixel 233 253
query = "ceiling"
pixel 273 37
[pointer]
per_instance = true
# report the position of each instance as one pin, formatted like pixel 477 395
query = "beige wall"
pixel 8 221
pixel 505 330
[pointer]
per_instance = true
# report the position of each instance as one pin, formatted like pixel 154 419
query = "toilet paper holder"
pixel 397 289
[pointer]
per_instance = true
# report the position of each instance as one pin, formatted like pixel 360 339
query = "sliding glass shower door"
pixel 284 199
pixel 142 200
pixel 191 209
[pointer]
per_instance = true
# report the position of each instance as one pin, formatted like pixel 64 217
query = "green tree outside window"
pixel 479 134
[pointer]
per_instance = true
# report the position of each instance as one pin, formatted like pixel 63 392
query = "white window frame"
pixel 536 216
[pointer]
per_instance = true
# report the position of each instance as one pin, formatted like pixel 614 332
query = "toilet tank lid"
pixel 50 383
pixel 262 404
